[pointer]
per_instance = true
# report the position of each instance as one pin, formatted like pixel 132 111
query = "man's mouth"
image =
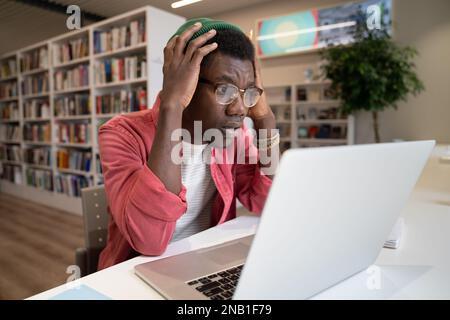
pixel 232 125
pixel 229 131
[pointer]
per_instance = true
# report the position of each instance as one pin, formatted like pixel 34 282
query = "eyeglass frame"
pixel 241 91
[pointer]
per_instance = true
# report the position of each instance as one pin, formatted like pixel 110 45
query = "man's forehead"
pixel 230 69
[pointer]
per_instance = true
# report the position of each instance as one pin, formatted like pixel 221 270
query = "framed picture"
pixel 314 29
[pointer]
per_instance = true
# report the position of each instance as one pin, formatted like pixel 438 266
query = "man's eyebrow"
pixel 229 79
pixel 225 78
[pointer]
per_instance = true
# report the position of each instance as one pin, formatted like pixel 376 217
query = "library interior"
pixel 353 100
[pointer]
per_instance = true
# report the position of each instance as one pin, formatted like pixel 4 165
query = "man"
pixel 210 77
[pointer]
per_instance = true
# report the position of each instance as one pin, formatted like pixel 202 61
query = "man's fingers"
pixel 184 38
pixel 168 50
pixel 201 52
pixel 197 43
pixel 257 67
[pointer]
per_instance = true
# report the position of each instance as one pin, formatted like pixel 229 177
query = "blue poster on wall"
pixel 316 28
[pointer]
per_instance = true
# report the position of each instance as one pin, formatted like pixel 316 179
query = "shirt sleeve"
pixel 141 206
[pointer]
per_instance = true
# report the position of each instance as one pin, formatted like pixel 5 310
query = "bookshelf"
pixel 308 115
pixel 55 94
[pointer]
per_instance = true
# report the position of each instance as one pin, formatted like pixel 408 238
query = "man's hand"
pixel 181 70
pixel 263 118
pixel 261 109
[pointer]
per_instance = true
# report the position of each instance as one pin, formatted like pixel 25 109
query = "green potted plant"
pixel 372 74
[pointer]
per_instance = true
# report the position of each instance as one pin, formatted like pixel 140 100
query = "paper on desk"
pixel 393 241
pixel 81 292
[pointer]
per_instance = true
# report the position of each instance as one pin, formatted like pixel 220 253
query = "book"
pixel 35 84
pixel 8 68
pixel 72 78
pixel 37 132
pixel 12 173
pixel 42 179
pixel 10 132
pixel 71 184
pixel 74 159
pixel 35 59
pixel 12 153
pixel 36 108
pixel 120 37
pixel 99 169
pixel 121 69
pixel 8 90
pixel 122 101
pixel 77 104
pixel 71 50
pixel 9 111
pixel 38 156
pixel 73 132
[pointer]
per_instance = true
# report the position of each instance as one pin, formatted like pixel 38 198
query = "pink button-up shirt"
pixel 143 211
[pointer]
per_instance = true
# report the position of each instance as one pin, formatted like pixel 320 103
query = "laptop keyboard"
pixel 220 285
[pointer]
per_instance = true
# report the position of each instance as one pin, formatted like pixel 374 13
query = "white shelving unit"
pixel 159 26
pixel 307 117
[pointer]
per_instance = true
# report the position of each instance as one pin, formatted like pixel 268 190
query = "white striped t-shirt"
pixel 200 191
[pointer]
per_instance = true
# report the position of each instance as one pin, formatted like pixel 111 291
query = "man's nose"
pixel 236 108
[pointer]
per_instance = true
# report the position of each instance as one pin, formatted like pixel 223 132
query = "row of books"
pixel 73 132
pixel 122 101
pixel 8 90
pixel 12 153
pixel 72 78
pixel 74 159
pixel 120 69
pixel 72 105
pixel 38 156
pixel 12 173
pixel 312 113
pixel 8 68
pixel 37 132
pixel 71 50
pixel 35 84
pixel 42 179
pixel 10 111
pixel 35 59
pixel 120 37
pixel 325 131
pixel 71 184
pixel 36 109
pixel 9 132
pixel 316 93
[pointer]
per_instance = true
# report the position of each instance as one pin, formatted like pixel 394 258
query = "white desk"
pixel 419 269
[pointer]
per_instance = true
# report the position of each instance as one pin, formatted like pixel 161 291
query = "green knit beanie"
pixel 207 24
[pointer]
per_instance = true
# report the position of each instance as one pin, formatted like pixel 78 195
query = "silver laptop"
pixel 327 216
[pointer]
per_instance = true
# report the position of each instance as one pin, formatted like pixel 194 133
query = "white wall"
pixel 422 24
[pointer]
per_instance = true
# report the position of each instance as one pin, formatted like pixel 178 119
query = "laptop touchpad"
pixel 227 254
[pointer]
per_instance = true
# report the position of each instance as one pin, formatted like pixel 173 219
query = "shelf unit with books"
pixel 56 97
pixel 308 115
pixel 10 148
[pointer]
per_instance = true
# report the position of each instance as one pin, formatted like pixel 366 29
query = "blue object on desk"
pixel 81 292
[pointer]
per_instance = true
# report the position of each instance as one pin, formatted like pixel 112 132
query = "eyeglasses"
pixel 227 93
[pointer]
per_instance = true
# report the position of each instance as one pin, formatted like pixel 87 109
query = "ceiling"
pixel 22 24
